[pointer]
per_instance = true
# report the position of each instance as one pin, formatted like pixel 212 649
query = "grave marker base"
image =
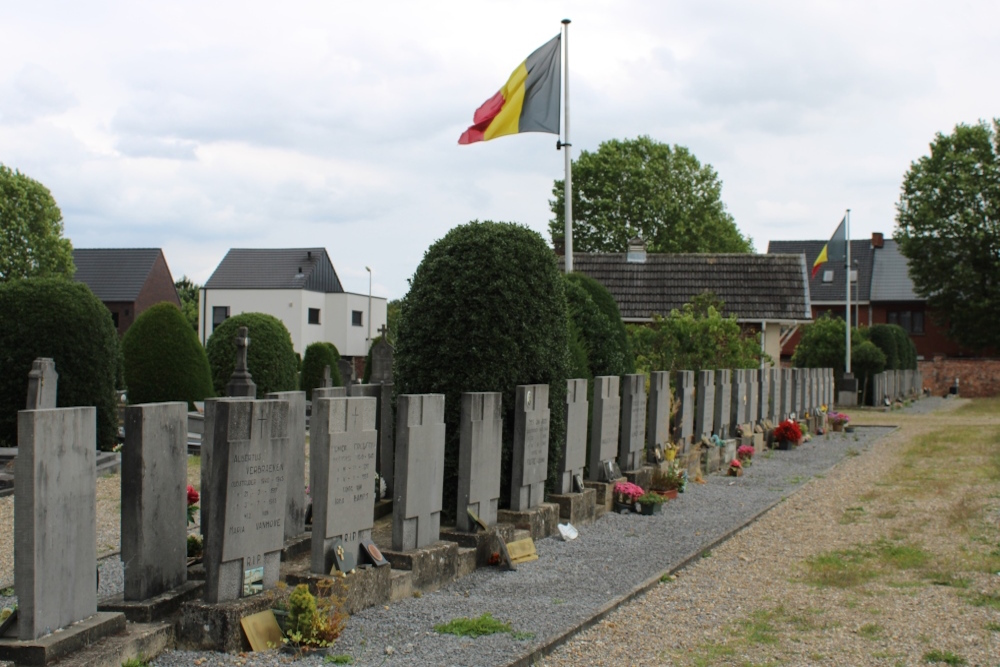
pixel 215 626
pixel 484 543
pixel 295 547
pixel 540 521
pixel 605 493
pixel 641 477
pixel 155 608
pixel 362 588
pixel 431 566
pixel 576 508
pixel 72 638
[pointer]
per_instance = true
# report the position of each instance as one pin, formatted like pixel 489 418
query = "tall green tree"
pixel 31 230
pixel 188 292
pixel 650 189
pixel 948 227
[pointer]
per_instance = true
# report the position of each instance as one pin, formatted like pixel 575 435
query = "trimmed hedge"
pixel 271 358
pixel 164 361
pixel 57 318
pixel 486 311
pixel 884 338
pixel 594 332
pixel 612 355
pixel 319 356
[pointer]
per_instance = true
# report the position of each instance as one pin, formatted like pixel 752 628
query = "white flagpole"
pixel 847 238
pixel 565 145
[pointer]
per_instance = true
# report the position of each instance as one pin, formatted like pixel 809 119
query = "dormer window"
pixel 828 276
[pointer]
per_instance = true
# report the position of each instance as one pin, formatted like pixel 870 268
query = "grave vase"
pixel 649 509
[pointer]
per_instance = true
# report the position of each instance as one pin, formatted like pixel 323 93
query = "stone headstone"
pixel 798 386
pixel 329 392
pixel 55 519
pixel 479 451
pixel 327 377
pixel 774 395
pixel 739 402
pixel 605 411
pixel 574 456
pixel 342 478
pixel 723 409
pixel 531 446
pixel 346 371
pixel 684 428
pixel 753 396
pixel 43 383
pixel 382 354
pixel 295 469
pixel 787 404
pixel 807 390
pixel 386 426
pixel 658 414
pixel 419 471
pixel 244 491
pixel 764 398
pixel 154 499
pixel 705 412
pixel 632 431
pixel 240 382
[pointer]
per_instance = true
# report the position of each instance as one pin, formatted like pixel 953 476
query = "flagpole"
pixel 847 254
pixel 568 194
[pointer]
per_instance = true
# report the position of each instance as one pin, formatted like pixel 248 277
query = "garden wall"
pixel 977 377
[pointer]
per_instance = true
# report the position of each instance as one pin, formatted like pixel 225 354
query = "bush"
pixel 905 347
pixel 164 361
pixel 884 338
pixel 866 360
pixel 822 344
pixel 594 331
pixel 614 355
pixel 270 357
pixel 319 356
pixel 486 311
pixel 53 317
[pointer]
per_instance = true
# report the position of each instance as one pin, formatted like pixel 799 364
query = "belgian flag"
pixel 528 102
pixel 835 250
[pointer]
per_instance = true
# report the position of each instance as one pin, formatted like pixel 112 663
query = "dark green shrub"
pixel 319 356
pixel 486 311
pixel 617 356
pixel 270 357
pixel 866 360
pixel 821 345
pixel 597 333
pixel 164 361
pixel 52 317
pixel 579 364
pixel 884 338
pixel 905 347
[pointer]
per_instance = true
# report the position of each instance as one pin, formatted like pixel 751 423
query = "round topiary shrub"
pixel 905 348
pixel 884 338
pixel 164 361
pixel 318 356
pixel 270 356
pixel 53 317
pixel 596 332
pixel 611 356
pixel 486 311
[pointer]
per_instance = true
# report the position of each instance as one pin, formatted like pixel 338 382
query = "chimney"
pixel 636 251
pixel 878 241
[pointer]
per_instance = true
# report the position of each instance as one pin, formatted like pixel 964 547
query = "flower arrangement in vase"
pixel 626 495
pixel 838 420
pixel 745 453
pixel 787 434
pixel 735 468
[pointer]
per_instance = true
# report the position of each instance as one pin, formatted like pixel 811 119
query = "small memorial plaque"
pixel 373 553
pixel 612 471
pixel 578 483
pixel 344 559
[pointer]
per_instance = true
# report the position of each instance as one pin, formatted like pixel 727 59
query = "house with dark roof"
pixel 766 293
pixel 881 292
pixel 127 280
pixel 300 287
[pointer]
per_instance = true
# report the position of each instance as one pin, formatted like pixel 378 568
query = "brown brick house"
pixel 127 280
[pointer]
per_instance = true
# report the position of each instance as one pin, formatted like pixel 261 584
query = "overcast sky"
pixel 201 126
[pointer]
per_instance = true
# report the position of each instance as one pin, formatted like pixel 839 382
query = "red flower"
pixel 193 496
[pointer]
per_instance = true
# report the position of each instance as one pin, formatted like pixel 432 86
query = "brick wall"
pixel 977 377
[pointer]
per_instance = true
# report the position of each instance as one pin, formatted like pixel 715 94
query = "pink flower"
pixel 735 463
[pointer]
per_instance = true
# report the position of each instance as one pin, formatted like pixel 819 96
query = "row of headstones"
pixel 890 386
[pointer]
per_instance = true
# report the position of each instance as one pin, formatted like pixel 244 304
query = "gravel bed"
pixel 571 581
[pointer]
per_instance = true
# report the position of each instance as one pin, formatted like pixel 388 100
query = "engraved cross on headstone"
pixel 382 331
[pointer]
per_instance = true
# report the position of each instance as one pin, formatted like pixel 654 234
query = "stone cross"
pixel 386 429
pixel 419 471
pixel 723 396
pixel 632 432
pixel 738 402
pixel 787 391
pixel 753 396
pixel 658 415
pixel 705 411
pixel 43 382
pixel 327 377
pixel 774 395
pixel 240 382
pixel 764 396
pixel 295 469
pixel 531 447
pixel 382 354
pixel 574 455
pixel 346 371
pixel 685 414
pixel 479 448
pixel 383 332
pixel 604 425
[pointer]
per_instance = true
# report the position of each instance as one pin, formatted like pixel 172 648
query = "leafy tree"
pixel 866 360
pixel 164 360
pixel 392 309
pixel 270 358
pixel 486 311
pixel 650 189
pixel 821 344
pixel 318 357
pixel 188 292
pixel 948 227
pixel 81 340
pixel 31 240
pixel 695 338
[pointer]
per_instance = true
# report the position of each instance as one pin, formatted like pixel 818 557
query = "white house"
pixel 300 287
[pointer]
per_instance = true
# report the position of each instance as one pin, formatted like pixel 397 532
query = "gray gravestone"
pixel 240 382
pixel 774 395
pixel 787 390
pixel 807 394
pixel 419 471
pixel 574 456
pixel 243 496
pixel 632 433
pixel 797 389
pixel 764 399
pixel 738 403
pixel 753 396
pixel 705 412
pixel 658 415
pixel 154 499
pixel 479 459
pixel 814 380
pixel 342 478
pixel 329 392
pixel 295 469
pixel 55 519
pixel 531 446
pixel 723 397
pixel 43 383
pixel 327 377
pixel 604 425
pixel 685 411
pixel 385 424
pixel 382 354
pixel 346 369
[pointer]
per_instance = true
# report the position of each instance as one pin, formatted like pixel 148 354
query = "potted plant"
pixel 838 420
pixel 787 434
pixel 651 503
pixel 745 453
pixel 669 480
pixel 735 468
pixel 626 494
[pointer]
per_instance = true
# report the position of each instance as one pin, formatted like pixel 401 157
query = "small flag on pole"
pixel 528 102
pixel 835 250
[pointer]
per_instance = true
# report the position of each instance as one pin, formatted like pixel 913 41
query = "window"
pixel 356 318
pixel 912 321
pixel 114 318
pixel 828 276
pixel 219 315
pixel 314 316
